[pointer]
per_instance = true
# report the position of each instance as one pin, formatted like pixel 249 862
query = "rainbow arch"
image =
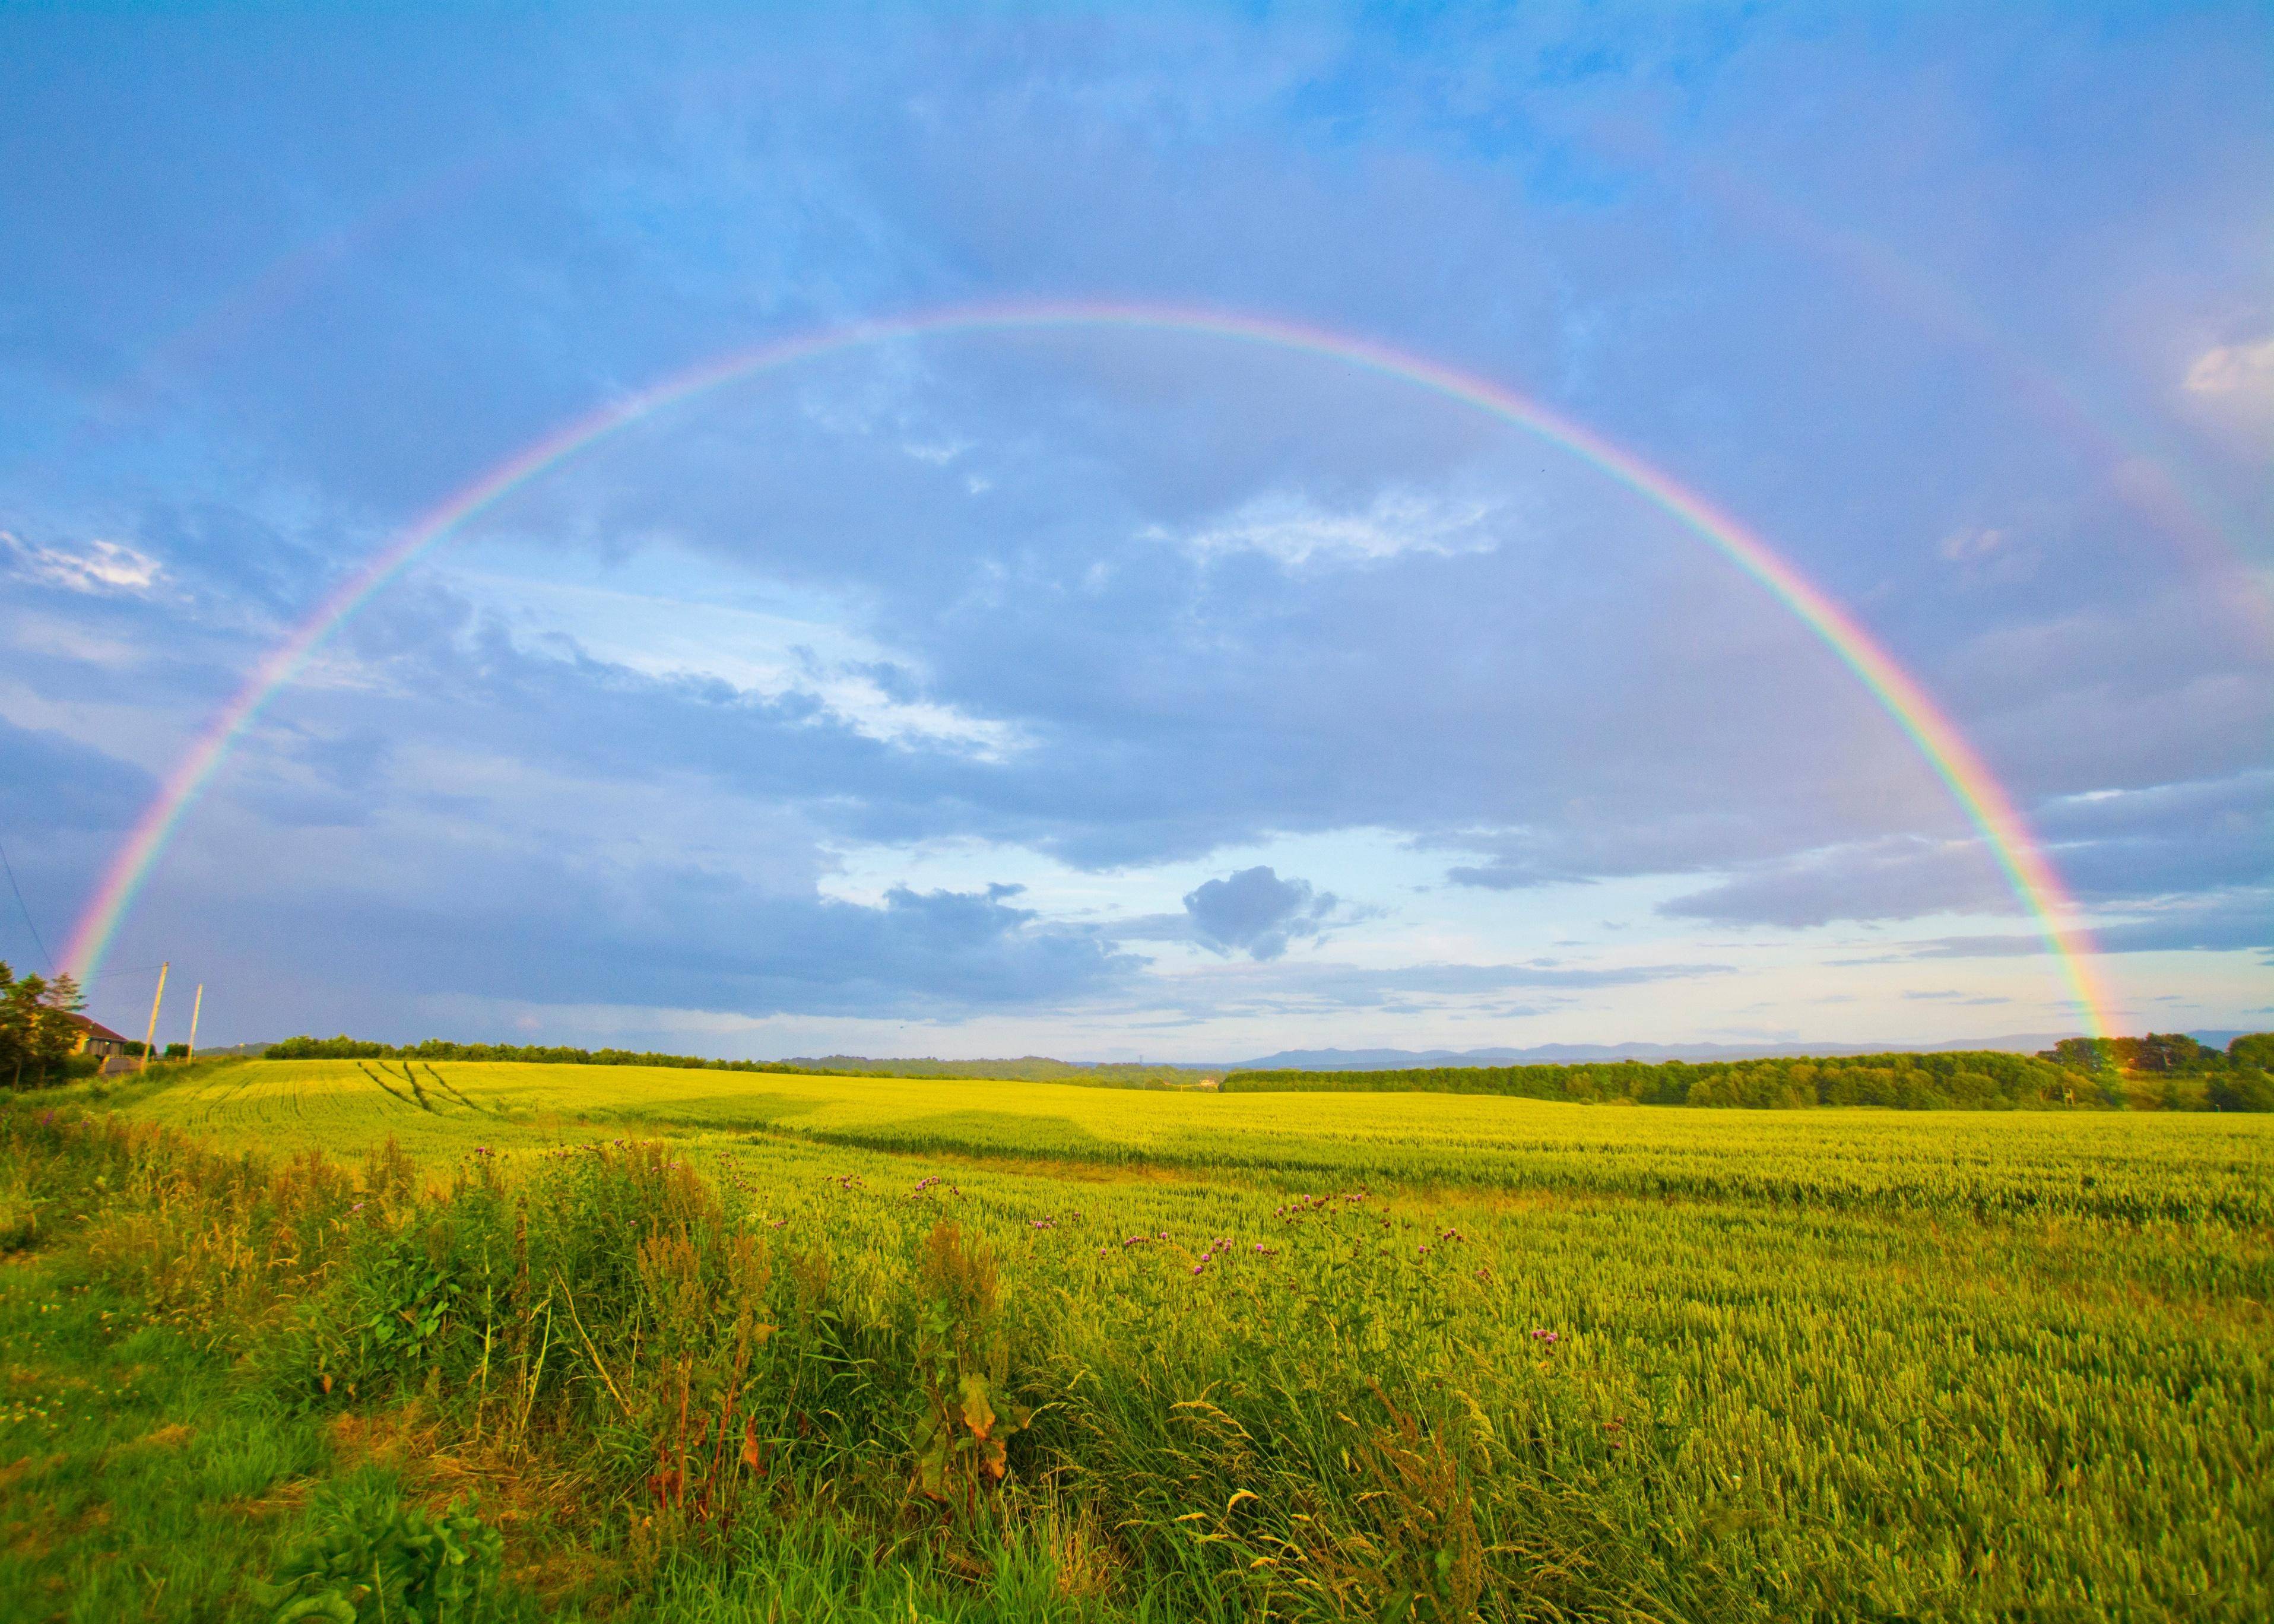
pixel 1978 792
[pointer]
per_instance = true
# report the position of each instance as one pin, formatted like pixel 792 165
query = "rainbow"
pixel 1976 791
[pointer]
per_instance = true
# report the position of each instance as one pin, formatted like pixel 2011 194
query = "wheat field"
pixel 1684 1363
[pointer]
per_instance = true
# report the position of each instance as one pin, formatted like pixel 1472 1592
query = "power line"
pixel 25 911
pixel 105 976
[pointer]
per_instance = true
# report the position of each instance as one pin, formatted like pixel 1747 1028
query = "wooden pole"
pixel 196 1005
pixel 150 1039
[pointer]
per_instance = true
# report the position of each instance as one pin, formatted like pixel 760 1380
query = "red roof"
pixel 97 1029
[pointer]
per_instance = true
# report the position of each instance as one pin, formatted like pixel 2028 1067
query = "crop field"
pixel 2179 1166
pixel 1039 1351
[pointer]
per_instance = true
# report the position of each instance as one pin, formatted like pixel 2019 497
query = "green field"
pixel 1280 1356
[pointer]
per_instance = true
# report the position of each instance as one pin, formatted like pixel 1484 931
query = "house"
pixel 95 1038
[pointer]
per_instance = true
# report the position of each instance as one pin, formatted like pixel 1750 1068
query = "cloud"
pixel 1309 988
pixel 1989 555
pixel 2244 371
pixel 1257 912
pixel 49 780
pixel 1966 547
pixel 1295 530
pixel 2219 923
pixel 2237 920
pixel 2124 848
pixel 515 927
pixel 98 567
pixel 1904 877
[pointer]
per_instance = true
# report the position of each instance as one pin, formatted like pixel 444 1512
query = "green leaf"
pixel 330 1604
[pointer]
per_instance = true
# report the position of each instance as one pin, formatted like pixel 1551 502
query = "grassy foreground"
pixel 706 1346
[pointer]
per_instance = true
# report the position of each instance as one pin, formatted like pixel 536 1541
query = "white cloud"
pixel 2235 370
pixel 102 566
pixel 1295 530
pixel 1963 546
pixel 939 454
pixel 766 654
pixel 1990 553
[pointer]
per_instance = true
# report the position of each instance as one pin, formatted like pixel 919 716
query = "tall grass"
pixel 1695 1387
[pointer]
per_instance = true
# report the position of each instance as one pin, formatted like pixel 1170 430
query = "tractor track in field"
pixel 210 1102
pixel 450 1088
pixel 393 1092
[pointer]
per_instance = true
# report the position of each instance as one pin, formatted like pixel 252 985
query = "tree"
pixel 2243 1089
pixel 2170 1052
pixel 2084 1054
pixel 2249 1084
pixel 36 1029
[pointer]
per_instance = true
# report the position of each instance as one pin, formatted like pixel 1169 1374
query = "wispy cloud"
pixel 1296 530
pixel 2244 370
pixel 94 567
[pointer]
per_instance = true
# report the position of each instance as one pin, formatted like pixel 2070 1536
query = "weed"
pixel 391 1561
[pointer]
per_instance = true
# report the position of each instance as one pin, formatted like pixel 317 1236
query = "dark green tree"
pixel 2256 1051
pixel 36 1029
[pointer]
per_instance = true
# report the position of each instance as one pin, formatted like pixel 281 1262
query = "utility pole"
pixel 196 1004
pixel 150 1041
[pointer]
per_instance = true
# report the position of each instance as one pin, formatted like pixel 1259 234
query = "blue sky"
pixel 1108 693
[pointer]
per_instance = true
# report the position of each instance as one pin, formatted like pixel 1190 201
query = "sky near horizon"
pixel 1115 691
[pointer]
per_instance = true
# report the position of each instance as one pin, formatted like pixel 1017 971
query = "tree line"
pixel 2162 1071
